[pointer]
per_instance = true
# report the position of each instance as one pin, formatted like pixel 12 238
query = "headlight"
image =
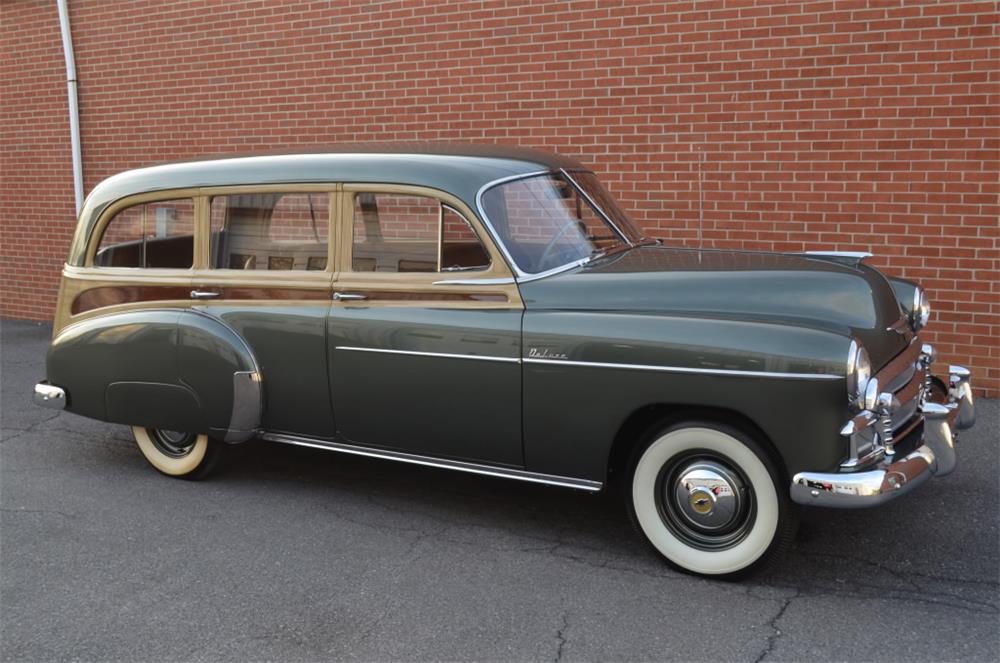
pixel 920 314
pixel 859 373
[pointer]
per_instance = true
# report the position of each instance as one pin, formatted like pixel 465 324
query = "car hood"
pixel 807 290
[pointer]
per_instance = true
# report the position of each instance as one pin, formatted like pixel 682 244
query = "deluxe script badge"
pixel 545 353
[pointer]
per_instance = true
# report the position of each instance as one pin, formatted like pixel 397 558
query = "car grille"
pixel 905 378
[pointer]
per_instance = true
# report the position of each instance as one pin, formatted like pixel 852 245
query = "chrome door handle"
pixel 204 294
pixel 349 296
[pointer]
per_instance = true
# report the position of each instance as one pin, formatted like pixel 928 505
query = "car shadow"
pixel 875 553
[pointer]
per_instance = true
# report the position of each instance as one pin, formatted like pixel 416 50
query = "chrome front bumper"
pixel 894 477
pixel 49 395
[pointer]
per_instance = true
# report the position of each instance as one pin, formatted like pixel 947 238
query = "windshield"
pixel 547 221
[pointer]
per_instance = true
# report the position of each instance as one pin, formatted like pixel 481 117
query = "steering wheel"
pixel 552 243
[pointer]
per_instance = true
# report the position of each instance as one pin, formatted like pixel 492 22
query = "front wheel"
pixel 177 454
pixel 711 500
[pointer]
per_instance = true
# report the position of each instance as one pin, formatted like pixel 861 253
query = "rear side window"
pixel 411 233
pixel 156 234
pixel 270 231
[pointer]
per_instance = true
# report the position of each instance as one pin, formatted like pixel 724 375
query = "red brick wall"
pixel 843 125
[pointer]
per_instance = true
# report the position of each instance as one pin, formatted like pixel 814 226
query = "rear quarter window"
pixel 158 234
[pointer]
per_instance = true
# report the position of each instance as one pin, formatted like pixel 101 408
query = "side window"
pixel 270 231
pixel 460 248
pixel 410 233
pixel 156 234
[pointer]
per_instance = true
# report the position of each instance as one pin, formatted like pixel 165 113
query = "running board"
pixel 458 465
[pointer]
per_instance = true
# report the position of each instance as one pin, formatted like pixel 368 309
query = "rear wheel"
pixel 711 501
pixel 178 454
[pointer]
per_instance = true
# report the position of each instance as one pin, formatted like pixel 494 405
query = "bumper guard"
pixel 896 477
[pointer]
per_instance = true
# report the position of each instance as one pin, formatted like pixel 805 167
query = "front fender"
pixel 586 373
pixel 162 368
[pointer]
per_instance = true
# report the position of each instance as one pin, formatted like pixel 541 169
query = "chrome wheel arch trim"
pixel 429 461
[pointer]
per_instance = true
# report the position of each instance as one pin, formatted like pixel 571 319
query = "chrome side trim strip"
pixel 506 280
pixel 680 369
pixel 597 364
pixel 442 463
pixel 444 355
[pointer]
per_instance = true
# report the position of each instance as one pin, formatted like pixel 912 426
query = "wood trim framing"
pixel 86 290
pixel 116 295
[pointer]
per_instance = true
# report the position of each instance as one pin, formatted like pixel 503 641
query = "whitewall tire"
pixel 181 455
pixel 710 500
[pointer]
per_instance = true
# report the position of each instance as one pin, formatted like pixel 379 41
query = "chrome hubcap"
pixel 708 495
pixel 173 443
pixel 705 500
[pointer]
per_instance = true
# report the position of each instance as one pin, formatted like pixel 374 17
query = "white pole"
pixel 74 110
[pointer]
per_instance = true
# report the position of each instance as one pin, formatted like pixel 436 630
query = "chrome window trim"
pixel 600 210
pixel 681 369
pixel 472 228
pixel 528 278
pixel 521 276
pixel 443 355
pixel 442 463
pixel 518 274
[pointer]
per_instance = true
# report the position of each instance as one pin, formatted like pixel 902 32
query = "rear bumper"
pixel 934 456
pixel 49 395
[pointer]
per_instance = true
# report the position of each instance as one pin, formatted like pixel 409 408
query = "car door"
pixel 267 272
pixel 424 330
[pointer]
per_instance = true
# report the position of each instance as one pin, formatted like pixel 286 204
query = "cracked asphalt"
pixel 297 554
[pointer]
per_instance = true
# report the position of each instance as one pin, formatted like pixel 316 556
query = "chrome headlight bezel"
pixel 870 397
pixel 920 312
pixel 859 374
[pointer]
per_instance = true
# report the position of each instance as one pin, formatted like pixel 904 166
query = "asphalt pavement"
pixel 293 554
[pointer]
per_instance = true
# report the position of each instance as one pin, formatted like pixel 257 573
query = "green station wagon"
pixel 493 310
